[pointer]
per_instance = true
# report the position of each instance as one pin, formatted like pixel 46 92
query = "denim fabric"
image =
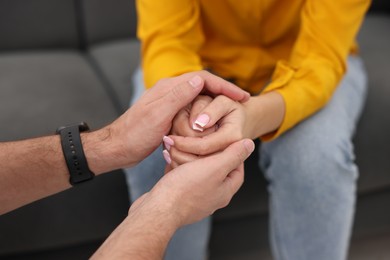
pixel 312 178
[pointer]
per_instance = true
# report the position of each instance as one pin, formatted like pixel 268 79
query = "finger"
pixel 174 165
pixel 180 157
pixel 199 104
pixel 234 180
pixel 179 96
pixel 219 86
pixel 181 126
pixel 214 111
pixel 225 162
pixel 208 144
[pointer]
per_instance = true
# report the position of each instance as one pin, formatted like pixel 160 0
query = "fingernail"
pixel 167 157
pixel 202 120
pixel 168 142
pixel 249 145
pixel 195 81
pixel 196 127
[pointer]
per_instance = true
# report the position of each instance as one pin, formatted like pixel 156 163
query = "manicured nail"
pixel 196 127
pixel 195 81
pixel 202 120
pixel 249 145
pixel 167 157
pixel 168 142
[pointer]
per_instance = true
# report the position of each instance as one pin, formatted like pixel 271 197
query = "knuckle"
pixel 177 92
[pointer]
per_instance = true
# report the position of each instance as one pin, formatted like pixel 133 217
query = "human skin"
pixel 258 116
pixel 184 124
pixel 118 145
pixel 185 195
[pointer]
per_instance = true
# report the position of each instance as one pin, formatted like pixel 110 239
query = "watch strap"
pixel 74 153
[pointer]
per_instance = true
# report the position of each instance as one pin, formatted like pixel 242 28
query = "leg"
pixel 189 242
pixel 313 176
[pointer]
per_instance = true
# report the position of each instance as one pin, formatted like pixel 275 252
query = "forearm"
pixel 30 170
pixel 35 168
pixel 143 235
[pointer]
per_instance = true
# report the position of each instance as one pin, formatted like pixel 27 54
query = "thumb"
pixel 234 155
pixel 182 94
pixel 228 160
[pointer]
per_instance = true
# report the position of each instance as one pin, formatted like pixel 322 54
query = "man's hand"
pixel 140 130
pixel 256 117
pixel 185 195
pixel 197 189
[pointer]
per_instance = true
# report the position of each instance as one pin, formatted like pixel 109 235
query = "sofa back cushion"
pixel 37 24
pixel 107 20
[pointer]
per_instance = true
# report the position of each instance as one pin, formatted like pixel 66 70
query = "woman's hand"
pixel 184 125
pixel 256 117
pixel 217 123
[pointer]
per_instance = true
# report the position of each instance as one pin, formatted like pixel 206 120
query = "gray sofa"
pixel 65 61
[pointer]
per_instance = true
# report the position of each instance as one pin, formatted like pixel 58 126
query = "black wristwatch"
pixel 74 153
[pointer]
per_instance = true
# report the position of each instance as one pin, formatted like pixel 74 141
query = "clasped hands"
pixel 192 190
pixel 204 127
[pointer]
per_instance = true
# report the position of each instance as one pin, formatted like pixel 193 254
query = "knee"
pixel 311 159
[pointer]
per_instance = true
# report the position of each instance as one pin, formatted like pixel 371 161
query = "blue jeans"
pixel 312 178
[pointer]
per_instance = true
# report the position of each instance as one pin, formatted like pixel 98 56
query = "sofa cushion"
pixel 105 19
pixel 37 24
pixel 87 213
pixel 39 92
pixel 373 138
pixel 117 61
pixel 43 90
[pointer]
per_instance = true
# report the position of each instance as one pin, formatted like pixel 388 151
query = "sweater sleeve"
pixel 171 36
pixel 318 60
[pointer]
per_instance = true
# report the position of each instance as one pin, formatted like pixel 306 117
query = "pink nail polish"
pixel 167 146
pixel 202 120
pixel 168 140
pixel 167 157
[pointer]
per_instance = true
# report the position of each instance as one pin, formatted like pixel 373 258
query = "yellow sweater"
pixel 296 47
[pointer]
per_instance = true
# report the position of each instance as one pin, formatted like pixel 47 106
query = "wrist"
pixel 265 114
pixel 144 234
pixel 107 149
pixel 159 209
pixel 100 151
